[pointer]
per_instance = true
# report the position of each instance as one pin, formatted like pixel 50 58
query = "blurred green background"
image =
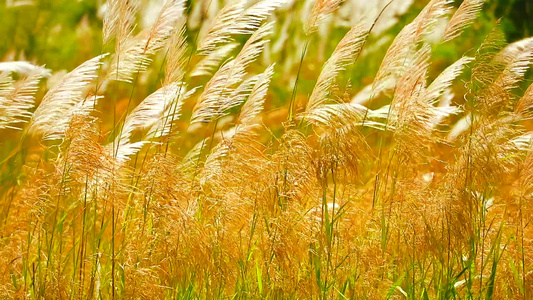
pixel 64 33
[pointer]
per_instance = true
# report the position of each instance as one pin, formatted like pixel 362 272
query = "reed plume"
pixel 267 149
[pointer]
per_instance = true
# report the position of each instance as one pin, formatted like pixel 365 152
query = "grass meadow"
pixel 265 149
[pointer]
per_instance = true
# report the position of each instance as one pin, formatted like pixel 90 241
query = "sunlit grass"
pixel 227 151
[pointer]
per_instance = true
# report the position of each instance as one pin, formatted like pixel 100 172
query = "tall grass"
pixel 417 186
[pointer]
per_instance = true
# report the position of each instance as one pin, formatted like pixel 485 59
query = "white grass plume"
pixel 239 94
pixel 125 151
pixel 119 19
pixel 135 54
pixel 444 80
pixel 321 10
pixel 409 111
pixel 6 83
pixel 337 115
pixel 145 115
pixel 166 122
pixel 52 116
pixel 17 99
pixel 517 58
pixel 216 95
pixel 250 52
pixel 524 105
pixel 177 55
pixel 252 18
pixel 149 111
pixel 403 48
pixel 343 55
pixel 511 51
pixel 235 20
pixel 462 18
pixel 221 28
pixel 24 68
pixel 254 105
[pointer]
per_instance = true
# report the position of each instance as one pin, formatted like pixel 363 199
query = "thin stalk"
pixel 295 88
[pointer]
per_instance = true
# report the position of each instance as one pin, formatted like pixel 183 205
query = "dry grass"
pixel 419 188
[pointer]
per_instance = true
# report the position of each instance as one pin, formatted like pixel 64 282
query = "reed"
pixel 196 161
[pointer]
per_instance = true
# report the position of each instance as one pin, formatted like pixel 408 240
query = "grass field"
pixel 264 149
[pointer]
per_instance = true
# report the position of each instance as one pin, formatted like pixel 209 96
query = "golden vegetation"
pixel 420 187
